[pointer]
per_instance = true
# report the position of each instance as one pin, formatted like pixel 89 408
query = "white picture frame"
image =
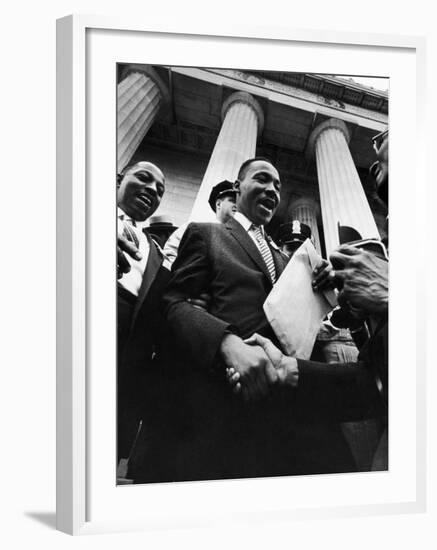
pixel 74 344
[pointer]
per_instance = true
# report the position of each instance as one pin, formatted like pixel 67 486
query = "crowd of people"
pixel 204 389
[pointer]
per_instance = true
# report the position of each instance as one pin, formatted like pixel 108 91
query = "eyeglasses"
pixel 378 140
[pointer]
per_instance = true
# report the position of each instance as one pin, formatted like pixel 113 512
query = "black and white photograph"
pixel 252 273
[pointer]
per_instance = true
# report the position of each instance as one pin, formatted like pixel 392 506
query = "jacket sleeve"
pixel 197 333
pixel 337 391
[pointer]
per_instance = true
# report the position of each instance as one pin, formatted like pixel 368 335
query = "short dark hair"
pixel 245 166
pixel 128 167
pixel 131 166
pixel 124 171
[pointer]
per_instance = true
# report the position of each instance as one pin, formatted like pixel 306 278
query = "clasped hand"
pixel 255 365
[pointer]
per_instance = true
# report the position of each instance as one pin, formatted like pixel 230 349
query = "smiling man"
pixel 356 390
pixel 141 280
pixel 214 433
pixel 139 192
pixel 236 264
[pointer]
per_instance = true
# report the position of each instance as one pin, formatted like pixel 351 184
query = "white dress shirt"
pixel 247 226
pixel 171 247
pixel 132 281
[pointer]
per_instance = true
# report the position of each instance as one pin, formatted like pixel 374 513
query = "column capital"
pixel 247 99
pixel 305 202
pixel 331 123
pixel 150 72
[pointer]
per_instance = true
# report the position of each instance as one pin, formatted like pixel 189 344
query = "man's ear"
pixel 119 178
pixel 237 186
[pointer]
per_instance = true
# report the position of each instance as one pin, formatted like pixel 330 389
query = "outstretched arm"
pixel 322 391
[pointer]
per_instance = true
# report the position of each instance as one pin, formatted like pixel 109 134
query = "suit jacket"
pixel 219 436
pixel 144 327
pixel 224 261
pixel 141 333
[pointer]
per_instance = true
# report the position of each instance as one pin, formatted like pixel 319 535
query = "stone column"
pixel 243 119
pixel 140 95
pixel 305 210
pixel 342 196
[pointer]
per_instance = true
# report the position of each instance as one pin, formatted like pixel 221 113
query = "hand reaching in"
pixel 365 280
pixel 124 246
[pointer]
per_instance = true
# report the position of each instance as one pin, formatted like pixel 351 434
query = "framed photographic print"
pixel 202 177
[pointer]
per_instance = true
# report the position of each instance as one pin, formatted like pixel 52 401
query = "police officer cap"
pixel 294 231
pixel 221 189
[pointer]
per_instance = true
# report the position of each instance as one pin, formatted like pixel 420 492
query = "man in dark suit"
pixel 346 391
pixel 151 458
pixel 141 279
pixel 217 434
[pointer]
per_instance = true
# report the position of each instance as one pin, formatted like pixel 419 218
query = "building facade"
pixel 199 125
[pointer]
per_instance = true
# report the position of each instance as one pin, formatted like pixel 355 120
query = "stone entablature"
pixel 317 96
pixel 340 88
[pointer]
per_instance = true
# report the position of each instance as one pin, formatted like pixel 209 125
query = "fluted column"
pixel 342 196
pixel 243 119
pixel 305 210
pixel 140 95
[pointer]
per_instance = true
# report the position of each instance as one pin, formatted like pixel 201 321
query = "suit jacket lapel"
pixel 153 264
pixel 247 244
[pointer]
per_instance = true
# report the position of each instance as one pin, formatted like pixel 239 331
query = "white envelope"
pixel 293 308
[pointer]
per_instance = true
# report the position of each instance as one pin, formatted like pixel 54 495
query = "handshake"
pixel 255 365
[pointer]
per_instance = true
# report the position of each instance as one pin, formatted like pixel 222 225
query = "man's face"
pixel 141 190
pixel 258 196
pixel 379 169
pixel 226 207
